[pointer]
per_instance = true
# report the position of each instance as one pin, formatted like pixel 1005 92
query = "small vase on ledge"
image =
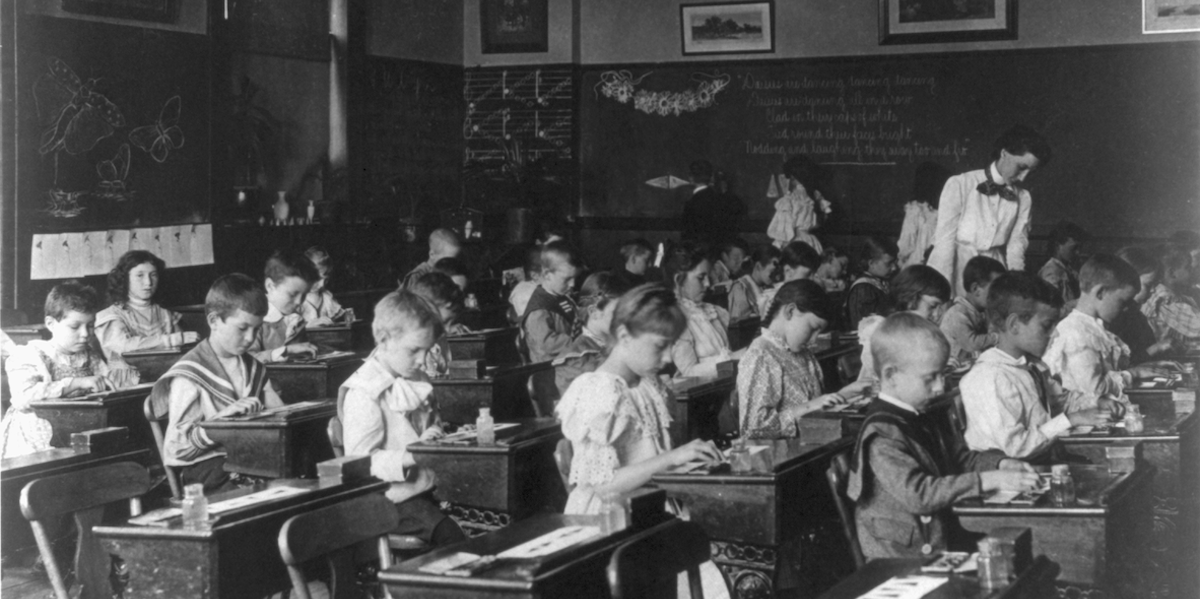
pixel 312 211
pixel 281 208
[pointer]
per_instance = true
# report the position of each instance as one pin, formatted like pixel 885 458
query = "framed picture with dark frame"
pixel 514 26
pixel 163 11
pixel 727 28
pixel 933 21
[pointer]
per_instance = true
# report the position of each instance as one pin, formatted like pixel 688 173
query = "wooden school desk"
pixel 238 557
pixel 26 333
pixel 1036 581
pixel 489 316
pixel 577 571
pixel 1171 444
pixel 355 336
pixel 497 347
pixel 286 442
pixel 193 318
pixel 491 486
pixel 503 389
pixel 88 449
pixel 830 357
pixel 305 381
pixel 781 513
pixel 698 405
pixel 362 302
pixel 152 363
pixel 1101 542
pixel 122 407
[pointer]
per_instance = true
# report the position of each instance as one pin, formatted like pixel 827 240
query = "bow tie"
pixel 991 188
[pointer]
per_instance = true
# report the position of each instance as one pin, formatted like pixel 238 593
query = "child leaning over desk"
pixel 909 466
pixel 218 378
pixel 287 278
pixel 388 404
pixel 65 366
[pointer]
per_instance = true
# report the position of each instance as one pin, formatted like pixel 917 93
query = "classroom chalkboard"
pixel 1123 121
pixel 114 126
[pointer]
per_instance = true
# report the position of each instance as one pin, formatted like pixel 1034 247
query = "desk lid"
pixel 526 431
pixel 102 398
pixel 304 410
pixel 781 456
pixel 173 350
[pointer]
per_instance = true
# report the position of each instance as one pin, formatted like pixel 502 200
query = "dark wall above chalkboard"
pixel 1124 123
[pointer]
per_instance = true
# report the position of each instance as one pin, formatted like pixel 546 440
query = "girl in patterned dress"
pixel 134 321
pixel 779 379
pixel 65 366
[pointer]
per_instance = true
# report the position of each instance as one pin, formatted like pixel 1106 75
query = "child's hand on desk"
pixel 300 349
pixel 432 433
pixel 1153 369
pixel 190 337
pixel 245 405
pixel 1011 465
pixel 1090 417
pixel 1003 480
pixel 830 400
pixel 88 384
pixel 121 378
pixel 1115 408
pixel 698 450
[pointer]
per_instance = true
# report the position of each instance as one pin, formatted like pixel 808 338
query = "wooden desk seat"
pixel 781 513
pixel 88 449
pixel 237 557
pixel 314 380
pixel 492 486
pixel 285 443
pixel 120 408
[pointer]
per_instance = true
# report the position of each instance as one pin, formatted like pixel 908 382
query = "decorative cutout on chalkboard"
pixel 668 182
pixel 73 116
pixel 159 138
pixel 621 86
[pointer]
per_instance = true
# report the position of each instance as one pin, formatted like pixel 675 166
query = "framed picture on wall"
pixel 726 28
pixel 141 10
pixel 1170 16
pixel 513 26
pixel 928 21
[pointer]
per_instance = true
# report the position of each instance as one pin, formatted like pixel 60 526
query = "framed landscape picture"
pixel 730 27
pixel 513 26
pixel 1170 16
pixel 142 10
pixel 927 21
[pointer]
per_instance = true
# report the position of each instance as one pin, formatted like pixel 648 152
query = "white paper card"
pixel 119 245
pixel 906 587
pixel 551 542
pixel 55 256
pixel 202 249
pixel 253 498
pixel 39 267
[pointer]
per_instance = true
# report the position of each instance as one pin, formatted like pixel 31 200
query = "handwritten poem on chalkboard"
pixel 847 119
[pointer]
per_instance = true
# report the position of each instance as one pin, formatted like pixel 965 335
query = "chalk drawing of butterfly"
pixel 113 172
pixel 73 115
pixel 162 136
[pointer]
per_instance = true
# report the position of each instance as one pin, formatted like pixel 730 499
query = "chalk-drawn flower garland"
pixel 158 139
pixel 621 86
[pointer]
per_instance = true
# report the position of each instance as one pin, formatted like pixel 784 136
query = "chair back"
pixel 958 415
pixel 648 565
pixel 334 430
pixel 82 494
pixel 838 474
pixel 156 413
pixel 332 533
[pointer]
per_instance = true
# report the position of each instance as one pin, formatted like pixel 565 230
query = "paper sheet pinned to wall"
pixel 71 255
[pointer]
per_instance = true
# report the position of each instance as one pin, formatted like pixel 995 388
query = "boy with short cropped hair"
pixel 638 254
pixel 218 378
pixel 549 322
pixel 1089 360
pixel 387 405
pixel 964 323
pixel 288 277
pixel 908 467
pixel 443 243
pixel 731 256
pixel 1059 270
pixel 1012 404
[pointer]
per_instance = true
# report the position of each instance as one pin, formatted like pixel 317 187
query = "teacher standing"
pixel 985 212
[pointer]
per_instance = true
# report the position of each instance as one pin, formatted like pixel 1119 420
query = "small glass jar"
pixel 614 515
pixel 1062 486
pixel 1134 422
pixel 194 507
pixel 993 564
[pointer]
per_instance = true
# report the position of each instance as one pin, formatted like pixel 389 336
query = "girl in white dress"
pixel 799 211
pixel 134 320
pixel 920 215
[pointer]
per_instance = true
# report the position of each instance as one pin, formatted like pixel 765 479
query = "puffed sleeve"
pixel 28 378
pixel 908 234
pixel 760 390
pixel 596 417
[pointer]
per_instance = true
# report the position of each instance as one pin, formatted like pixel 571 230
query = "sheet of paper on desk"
pixel 750 450
pixel 271 494
pixel 292 407
pixel 448 563
pixel 464 435
pixel 323 357
pixel 905 587
pixel 551 542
